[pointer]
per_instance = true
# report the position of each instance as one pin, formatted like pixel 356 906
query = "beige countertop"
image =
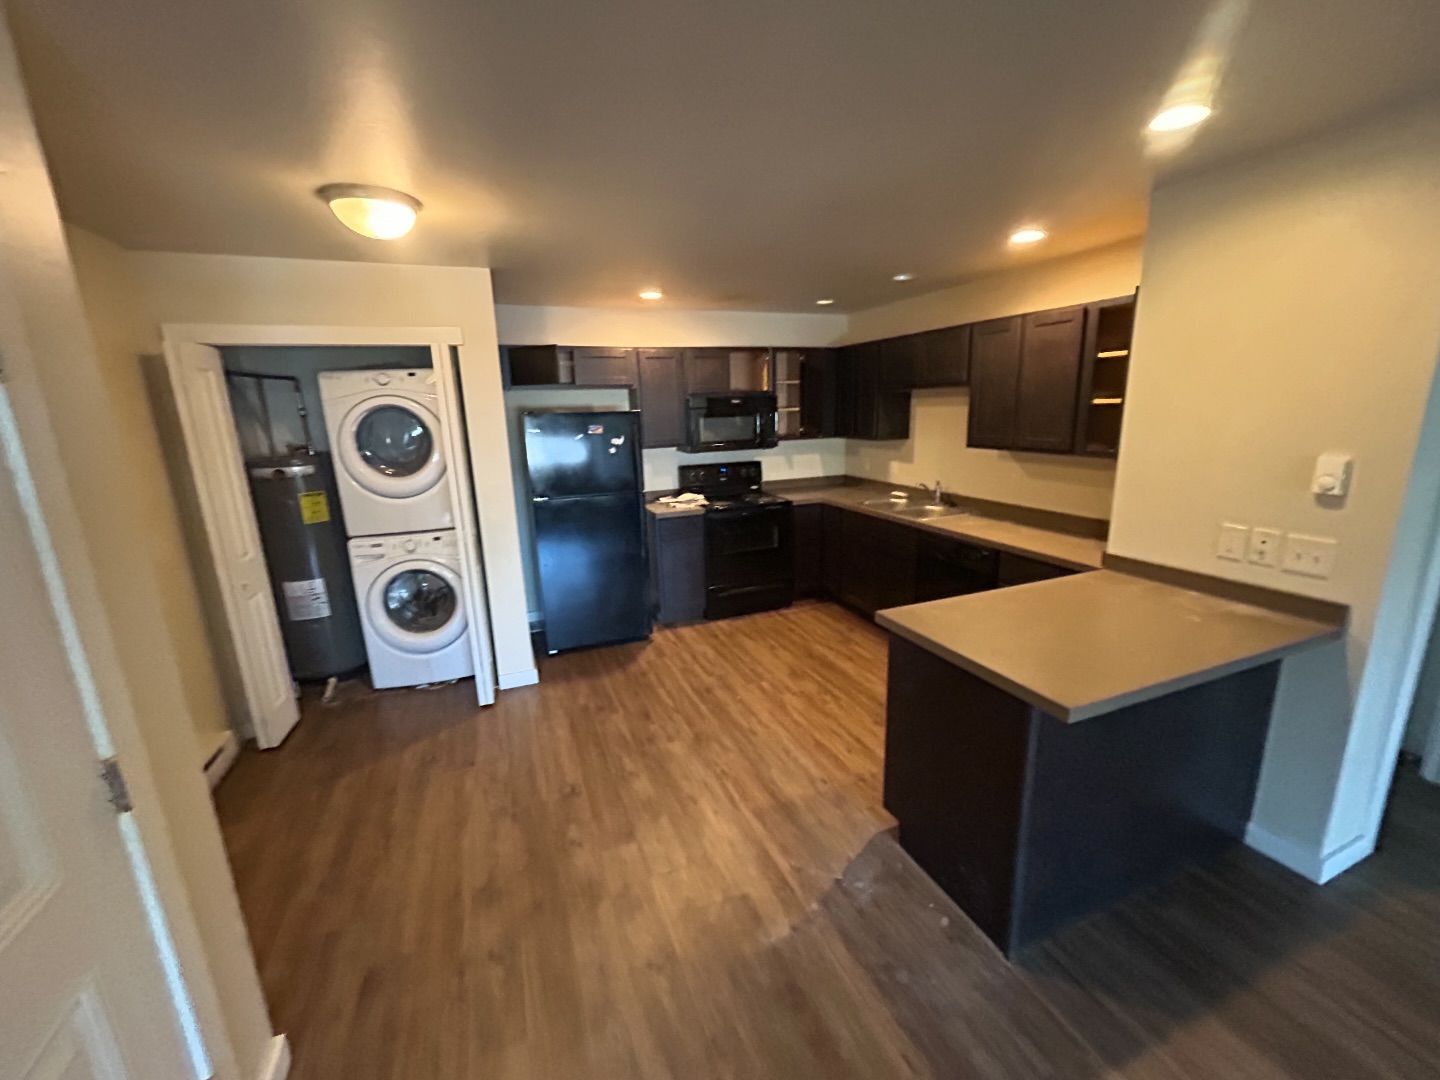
pixel 1081 646
pixel 668 510
pixel 1048 545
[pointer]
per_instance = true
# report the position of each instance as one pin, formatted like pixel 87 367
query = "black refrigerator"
pixel 587 506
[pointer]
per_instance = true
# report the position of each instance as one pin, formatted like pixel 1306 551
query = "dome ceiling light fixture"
pixel 380 213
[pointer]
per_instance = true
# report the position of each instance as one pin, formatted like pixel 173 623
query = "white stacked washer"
pixel 387 441
pixel 412 608
pixel 386 438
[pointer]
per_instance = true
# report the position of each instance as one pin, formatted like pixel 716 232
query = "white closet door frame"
pixel 439 340
pixel 467 526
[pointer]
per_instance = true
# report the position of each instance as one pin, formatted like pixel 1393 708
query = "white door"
pixel 467 527
pixel 266 693
pixel 83 991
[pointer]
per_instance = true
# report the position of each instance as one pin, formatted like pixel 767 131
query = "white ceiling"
pixel 739 153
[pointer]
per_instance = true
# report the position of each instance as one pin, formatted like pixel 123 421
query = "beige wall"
pixel 1291 305
pixel 179 288
pixel 61 386
pixel 123 332
pixel 936 448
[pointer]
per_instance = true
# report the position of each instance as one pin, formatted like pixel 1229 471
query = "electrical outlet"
pixel 1312 556
pixel 1232 542
pixel 1265 547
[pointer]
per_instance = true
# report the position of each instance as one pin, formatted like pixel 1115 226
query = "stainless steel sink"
pixel 926 510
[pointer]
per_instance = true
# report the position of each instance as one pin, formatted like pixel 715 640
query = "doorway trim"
pixel 441 342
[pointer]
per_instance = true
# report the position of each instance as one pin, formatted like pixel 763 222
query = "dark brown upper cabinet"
pixel 707 371
pixel 1049 382
pixel 662 397
pixel 1025 381
pixel 870 408
pixel 942 358
pixel 714 371
pixel 539 365
pixel 994 382
pixel 899 359
pixel 605 367
pixel 1104 373
pixel 806 393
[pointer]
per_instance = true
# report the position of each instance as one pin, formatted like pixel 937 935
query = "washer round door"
pixel 390 446
pixel 417 606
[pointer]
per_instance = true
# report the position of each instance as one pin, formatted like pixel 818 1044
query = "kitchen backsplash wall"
pixel 936 450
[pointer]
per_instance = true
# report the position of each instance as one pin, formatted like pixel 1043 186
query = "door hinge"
pixel 117 791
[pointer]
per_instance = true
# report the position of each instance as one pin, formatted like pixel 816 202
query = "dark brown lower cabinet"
pixel 877 563
pixel 677 568
pixel 1028 822
pixel 808 543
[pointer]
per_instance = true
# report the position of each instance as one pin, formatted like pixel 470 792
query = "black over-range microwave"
pixel 737 420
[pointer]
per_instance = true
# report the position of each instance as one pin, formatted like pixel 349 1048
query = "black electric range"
pixel 749 560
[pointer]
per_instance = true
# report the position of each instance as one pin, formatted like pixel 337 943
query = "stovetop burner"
pixel 747 500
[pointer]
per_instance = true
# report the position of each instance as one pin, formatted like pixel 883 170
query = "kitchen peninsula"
pixel 1052 747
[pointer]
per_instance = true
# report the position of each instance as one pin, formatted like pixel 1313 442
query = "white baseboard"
pixel 1318 866
pixel 277 1060
pixel 221 758
pixel 1345 856
pixel 525 677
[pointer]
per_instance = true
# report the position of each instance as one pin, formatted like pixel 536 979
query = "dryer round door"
pixel 417 606
pixel 390 446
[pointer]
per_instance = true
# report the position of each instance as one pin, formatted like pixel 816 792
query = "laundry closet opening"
pixel 340 521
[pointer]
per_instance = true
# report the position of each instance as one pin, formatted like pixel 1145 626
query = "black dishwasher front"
pixel 952 568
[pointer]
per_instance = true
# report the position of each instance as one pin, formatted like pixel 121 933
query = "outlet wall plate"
pixel 1264 547
pixel 1232 542
pixel 1309 556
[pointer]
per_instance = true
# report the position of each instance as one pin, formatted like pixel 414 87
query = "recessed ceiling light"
pixel 377 212
pixel 651 294
pixel 826 302
pixel 903 277
pixel 1031 234
pixel 1180 117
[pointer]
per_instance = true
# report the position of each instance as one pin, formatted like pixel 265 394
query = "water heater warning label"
pixel 314 509
pixel 306 599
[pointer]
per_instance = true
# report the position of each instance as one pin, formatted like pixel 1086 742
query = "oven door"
pixel 749 565
pixel 730 422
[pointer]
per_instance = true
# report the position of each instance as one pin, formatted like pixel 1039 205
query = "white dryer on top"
pixel 386 438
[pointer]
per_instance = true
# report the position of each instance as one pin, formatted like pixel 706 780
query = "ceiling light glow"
pixel 903 277
pixel 825 302
pixel 1030 234
pixel 1180 117
pixel 651 294
pixel 377 212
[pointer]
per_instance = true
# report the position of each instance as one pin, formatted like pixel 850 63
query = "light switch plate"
pixel 1232 542
pixel 1265 546
pixel 1312 556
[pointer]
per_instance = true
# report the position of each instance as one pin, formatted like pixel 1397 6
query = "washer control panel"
pixel 435 544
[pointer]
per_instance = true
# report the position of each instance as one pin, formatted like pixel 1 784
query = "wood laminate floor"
pixel 670 860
